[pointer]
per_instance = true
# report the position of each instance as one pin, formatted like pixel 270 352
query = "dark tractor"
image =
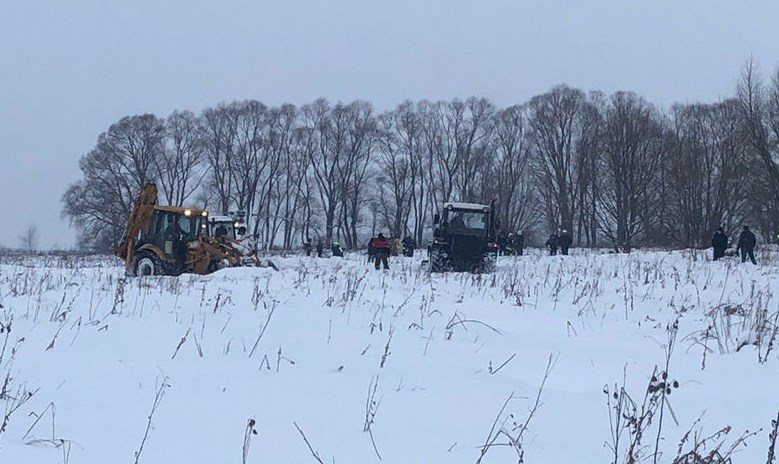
pixel 464 239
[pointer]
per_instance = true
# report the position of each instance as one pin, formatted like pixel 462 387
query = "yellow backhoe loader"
pixel 167 240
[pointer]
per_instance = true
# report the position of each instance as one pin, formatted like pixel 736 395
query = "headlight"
pixel 204 213
pixel 187 212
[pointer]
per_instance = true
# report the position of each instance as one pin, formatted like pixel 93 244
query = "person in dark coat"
pixel 519 243
pixel 457 222
pixel 553 243
pixel 381 249
pixel 502 243
pixel 408 246
pixel 371 251
pixel 307 247
pixel 719 242
pixel 337 250
pixel 319 249
pixel 746 244
pixel 565 242
pixel 509 246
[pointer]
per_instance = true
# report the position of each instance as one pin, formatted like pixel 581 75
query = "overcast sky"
pixel 68 69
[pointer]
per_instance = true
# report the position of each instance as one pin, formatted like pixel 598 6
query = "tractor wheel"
pixel 147 264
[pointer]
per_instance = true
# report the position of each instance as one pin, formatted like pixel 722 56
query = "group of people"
pixel 562 241
pixel 746 244
pixel 336 249
pixel 511 244
pixel 380 247
pixel 514 244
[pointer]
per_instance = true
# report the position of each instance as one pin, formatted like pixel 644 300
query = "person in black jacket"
pixel 719 243
pixel 508 247
pixel 408 246
pixel 337 250
pixel 565 242
pixel 553 243
pixel 746 244
pixel 502 240
pixel 519 243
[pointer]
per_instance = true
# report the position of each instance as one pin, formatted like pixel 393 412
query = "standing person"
pixel 371 251
pixel 408 246
pixel 519 243
pixel 381 249
pixel 719 242
pixel 337 250
pixel 746 244
pixel 307 247
pixel 565 242
pixel 319 248
pixel 508 248
pixel 502 243
pixel 244 242
pixel 553 243
pixel 396 247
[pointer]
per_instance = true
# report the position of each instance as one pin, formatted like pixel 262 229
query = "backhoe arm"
pixel 139 220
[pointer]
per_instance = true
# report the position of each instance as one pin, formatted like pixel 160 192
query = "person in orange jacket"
pixel 381 249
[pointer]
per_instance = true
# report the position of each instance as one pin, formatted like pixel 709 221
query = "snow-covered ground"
pixel 329 356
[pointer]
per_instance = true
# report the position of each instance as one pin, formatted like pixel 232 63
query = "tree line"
pixel 613 169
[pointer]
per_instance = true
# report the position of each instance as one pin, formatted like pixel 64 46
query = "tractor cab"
pixel 223 227
pixel 172 228
pixel 464 219
pixel 464 238
pixel 227 226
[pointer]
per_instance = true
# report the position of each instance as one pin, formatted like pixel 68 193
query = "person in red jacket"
pixel 381 250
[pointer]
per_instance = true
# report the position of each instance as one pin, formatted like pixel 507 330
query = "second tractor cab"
pixel 226 225
pixel 169 240
pixel 464 239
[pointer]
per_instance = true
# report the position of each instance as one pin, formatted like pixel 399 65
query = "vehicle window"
pixel 185 224
pixel 473 221
pixel 161 225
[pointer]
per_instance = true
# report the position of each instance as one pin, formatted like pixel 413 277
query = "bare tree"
pixel 281 191
pixel 29 239
pixel 588 153
pixel 339 145
pixel 471 123
pixel 511 180
pixel 554 123
pixel 760 114
pixel 395 177
pixel 441 160
pixel 218 132
pixel 250 159
pixel 404 133
pixel 353 169
pixel 633 147
pixel 180 166
pixel 706 171
pixel 113 173
pixel 324 147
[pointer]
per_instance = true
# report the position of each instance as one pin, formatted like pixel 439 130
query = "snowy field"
pixel 550 358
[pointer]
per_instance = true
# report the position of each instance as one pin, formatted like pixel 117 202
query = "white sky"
pixel 68 69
